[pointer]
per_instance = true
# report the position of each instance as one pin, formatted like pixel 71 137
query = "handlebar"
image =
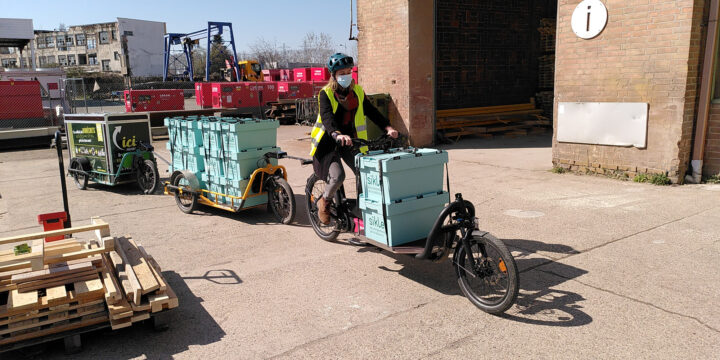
pixel 384 142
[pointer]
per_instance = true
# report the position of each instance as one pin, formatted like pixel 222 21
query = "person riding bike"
pixel 341 115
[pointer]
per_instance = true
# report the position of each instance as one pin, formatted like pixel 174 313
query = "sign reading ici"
pixel 589 19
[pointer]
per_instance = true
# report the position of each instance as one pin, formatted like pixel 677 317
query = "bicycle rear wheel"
pixel 313 192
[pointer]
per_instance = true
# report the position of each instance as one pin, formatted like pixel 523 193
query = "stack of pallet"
pixel 510 120
pixel 48 288
pixel 546 66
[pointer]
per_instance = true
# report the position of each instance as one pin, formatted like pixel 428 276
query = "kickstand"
pixel 357 242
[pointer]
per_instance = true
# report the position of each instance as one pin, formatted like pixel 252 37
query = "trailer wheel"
pixel 81 180
pixel 187 201
pixel 147 176
pixel 281 201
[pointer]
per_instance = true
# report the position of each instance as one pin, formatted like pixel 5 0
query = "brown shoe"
pixel 323 213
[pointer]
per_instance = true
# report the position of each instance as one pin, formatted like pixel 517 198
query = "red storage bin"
pixel 271 74
pixel 301 74
pixel 295 90
pixel 234 95
pixel 53 221
pixel 203 94
pixel 20 100
pixel 286 75
pixel 154 100
pixel 269 91
pixel 320 74
pixel 317 86
pixel 355 74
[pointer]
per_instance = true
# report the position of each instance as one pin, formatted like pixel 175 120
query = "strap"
pixel 382 200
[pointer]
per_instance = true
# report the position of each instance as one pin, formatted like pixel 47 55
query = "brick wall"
pixel 711 165
pixel 487 51
pixel 390 63
pixel 649 52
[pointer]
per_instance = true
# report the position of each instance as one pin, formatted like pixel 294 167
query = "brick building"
pixel 450 54
pixel 126 46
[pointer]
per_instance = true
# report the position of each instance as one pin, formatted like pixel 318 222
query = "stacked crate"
pixel 223 152
pixel 402 193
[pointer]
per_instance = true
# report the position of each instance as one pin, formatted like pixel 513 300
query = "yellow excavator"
pixel 250 70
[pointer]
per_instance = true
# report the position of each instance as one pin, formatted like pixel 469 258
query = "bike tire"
pixel 494 305
pixel 186 202
pixel 147 176
pixel 315 186
pixel 282 201
pixel 81 181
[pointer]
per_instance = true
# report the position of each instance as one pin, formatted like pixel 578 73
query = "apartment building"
pixel 127 46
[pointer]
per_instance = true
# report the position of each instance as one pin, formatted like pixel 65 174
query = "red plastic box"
pixel 295 90
pixel 320 74
pixel 203 94
pixel 286 75
pixel 20 100
pixel 53 221
pixel 271 75
pixel 154 100
pixel 301 74
pixel 234 95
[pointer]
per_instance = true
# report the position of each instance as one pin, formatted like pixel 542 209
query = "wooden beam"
pixel 139 265
pixel 42 235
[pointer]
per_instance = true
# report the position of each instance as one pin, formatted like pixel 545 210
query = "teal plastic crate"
pixel 251 200
pixel 408 219
pixel 405 173
pixel 192 131
pixel 187 161
pixel 239 165
pixel 248 134
pixel 216 166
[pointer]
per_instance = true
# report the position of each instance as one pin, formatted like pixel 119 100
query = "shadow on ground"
pixel 539 302
pixel 189 325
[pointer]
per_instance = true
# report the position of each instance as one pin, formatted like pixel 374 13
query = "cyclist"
pixel 341 117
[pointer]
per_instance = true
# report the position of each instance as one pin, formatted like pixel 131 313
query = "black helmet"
pixel 339 61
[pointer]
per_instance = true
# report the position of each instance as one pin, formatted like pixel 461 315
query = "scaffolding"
pixel 179 50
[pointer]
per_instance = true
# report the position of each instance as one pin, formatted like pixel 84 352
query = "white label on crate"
pixel 589 19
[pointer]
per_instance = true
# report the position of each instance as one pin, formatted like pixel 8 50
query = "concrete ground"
pixel 609 269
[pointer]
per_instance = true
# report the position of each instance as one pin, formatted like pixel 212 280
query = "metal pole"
pixel 58 146
pixel 87 110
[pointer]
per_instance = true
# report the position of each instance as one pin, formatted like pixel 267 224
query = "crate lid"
pixel 400 160
pixel 405 205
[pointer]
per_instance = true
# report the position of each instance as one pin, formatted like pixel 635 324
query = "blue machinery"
pixel 173 59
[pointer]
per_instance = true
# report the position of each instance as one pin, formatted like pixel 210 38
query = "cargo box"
pixel 248 134
pixel 154 100
pixel 320 74
pixel 408 219
pixel 406 173
pixel 302 74
pixel 241 164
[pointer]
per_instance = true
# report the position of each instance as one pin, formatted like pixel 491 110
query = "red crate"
pixel 320 74
pixel 154 100
pixel 269 90
pixel 318 85
pixel 286 75
pixel 301 74
pixel 234 95
pixel 203 94
pixel 20 100
pixel 295 90
pixel 271 74
pixel 53 221
pixel 355 74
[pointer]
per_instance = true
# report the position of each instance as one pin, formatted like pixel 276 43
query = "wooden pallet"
pixel 509 120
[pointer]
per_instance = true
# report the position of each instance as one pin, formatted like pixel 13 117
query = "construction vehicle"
pixel 250 70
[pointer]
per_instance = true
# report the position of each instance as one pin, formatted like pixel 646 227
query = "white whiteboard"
pixel 603 123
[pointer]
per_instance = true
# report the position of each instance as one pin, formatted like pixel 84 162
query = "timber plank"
pixel 139 265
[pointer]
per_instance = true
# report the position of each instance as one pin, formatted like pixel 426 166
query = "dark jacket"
pixel 326 151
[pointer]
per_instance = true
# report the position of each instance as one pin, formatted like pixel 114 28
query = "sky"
pixel 285 21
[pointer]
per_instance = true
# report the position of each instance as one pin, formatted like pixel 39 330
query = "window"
pixel 80 39
pixel 106 65
pixel 117 55
pixel 24 62
pixel 41 61
pixel 51 59
pixel 103 36
pixel 114 34
pixel 50 41
pixel 9 63
pixel 71 60
pixel 69 41
pixel 92 59
pixel 62 60
pixel 4 50
pixel 82 59
pixel 91 43
pixel 61 43
pixel 128 33
pixel 40 42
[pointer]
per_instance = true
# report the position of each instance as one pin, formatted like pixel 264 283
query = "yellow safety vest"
pixel 360 126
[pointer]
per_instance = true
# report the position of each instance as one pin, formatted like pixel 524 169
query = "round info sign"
pixel 589 19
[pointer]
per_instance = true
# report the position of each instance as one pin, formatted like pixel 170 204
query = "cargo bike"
pixel 228 163
pixel 111 149
pixel 418 225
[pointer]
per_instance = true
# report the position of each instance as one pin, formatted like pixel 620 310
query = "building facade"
pixel 127 46
pixel 658 56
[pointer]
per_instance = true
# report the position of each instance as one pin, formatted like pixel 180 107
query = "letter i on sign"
pixel 588 19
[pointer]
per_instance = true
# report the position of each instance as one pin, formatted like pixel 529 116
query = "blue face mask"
pixel 344 80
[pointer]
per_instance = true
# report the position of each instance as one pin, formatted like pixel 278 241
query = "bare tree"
pixel 316 48
pixel 268 53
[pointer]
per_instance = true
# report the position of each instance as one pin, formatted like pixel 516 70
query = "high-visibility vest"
pixel 360 126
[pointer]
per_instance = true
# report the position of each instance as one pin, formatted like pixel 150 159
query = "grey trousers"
pixel 336 173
